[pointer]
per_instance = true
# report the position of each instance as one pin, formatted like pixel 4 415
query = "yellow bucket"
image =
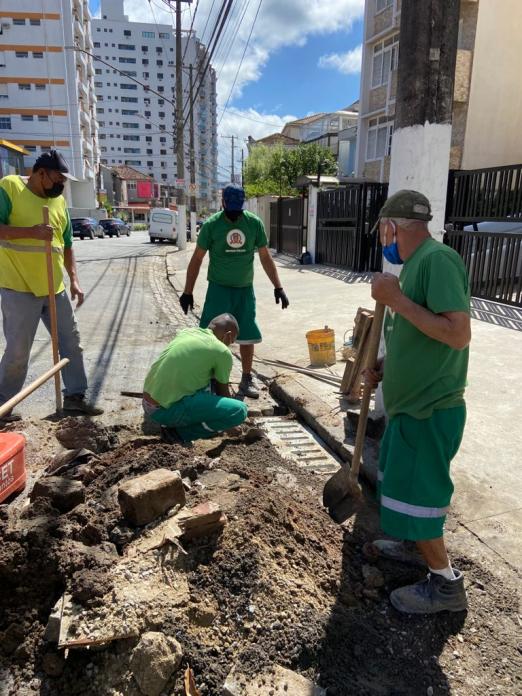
pixel 321 346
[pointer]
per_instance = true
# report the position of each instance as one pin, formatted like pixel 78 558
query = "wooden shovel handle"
pixel 52 312
pixel 371 361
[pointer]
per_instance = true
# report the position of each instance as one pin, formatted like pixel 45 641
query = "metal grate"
pixel 295 441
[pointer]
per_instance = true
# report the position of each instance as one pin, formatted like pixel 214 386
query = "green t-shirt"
pixel 187 365
pixel 231 246
pixel 420 373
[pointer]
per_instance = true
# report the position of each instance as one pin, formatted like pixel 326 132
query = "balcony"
pixel 87 146
pixel 82 90
pixel 81 61
pixel 79 33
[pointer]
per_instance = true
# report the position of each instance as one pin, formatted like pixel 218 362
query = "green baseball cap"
pixel 411 205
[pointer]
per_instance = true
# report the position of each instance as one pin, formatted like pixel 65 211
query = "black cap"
pixel 52 160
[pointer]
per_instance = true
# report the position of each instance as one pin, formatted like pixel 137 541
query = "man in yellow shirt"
pixel 23 278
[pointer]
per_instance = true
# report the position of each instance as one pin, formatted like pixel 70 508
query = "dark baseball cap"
pixel 53 160
pixel 408 204
pixel 233 197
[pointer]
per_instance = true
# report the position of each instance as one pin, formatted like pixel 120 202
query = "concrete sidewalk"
pixel 488 491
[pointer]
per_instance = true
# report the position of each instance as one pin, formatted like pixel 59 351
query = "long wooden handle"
pixel 5 408
pixel 371 361
pixel 52 313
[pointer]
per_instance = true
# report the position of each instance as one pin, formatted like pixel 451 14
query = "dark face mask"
pixel 55 190
pixel 233 215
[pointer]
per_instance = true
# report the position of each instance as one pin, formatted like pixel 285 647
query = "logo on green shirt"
pixel 236 240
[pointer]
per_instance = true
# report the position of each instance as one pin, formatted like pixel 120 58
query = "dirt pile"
pixel 280 584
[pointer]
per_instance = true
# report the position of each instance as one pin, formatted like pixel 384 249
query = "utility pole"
pixel 180 155
pixel 242 167
pixel 191 146
pixel 232 164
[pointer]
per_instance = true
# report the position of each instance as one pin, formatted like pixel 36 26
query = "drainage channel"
pixel 296 441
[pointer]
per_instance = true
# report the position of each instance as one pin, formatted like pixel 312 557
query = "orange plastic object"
pixel 12 464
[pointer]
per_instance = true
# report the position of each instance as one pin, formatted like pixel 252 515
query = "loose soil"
pixel 282 583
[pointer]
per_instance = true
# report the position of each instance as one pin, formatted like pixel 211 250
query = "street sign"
pixel 180 182
pixel 193 188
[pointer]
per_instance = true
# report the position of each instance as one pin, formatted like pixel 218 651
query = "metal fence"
pixel 286 226
pixel 345 218
pixel 493 257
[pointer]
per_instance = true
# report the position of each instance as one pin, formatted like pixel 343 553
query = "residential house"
pixel 130 191
pixel 487 107
pixel 273 140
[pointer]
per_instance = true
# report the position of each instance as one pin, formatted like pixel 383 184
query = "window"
pixel 164 35
pixel 379 138
pixel 134 138
pixel 98 84
pixel 160 76
pixel 148 126
pixel 43 119
pixel 24 87
pixel 145 75
pixel 100 110
pixel 144 49
pixel 40 87
pixel 133 163
pixel 129 100
pixel 148 34
pixel 161 114
pixel 34 22
pixel 129 112
pixel 31 148
pixel 146 114
pixel 130 73
pixel 163 140
pixel 126 47
pixel 101 124
pixel 159 63
pixel 381 5
pixel 159 49
pixel 19 22
pixel 161 102
pixel 163 152
pixel 21 54
pixel 98 71
pixel 162 128
pixel 26 117
pixel 126 60
pixel 127 32
pixel 126 86
pixel 148 138
pixel 385 59
pixel 130 125
pixel 97 43
pixel 150 164
pixel 132 150
pixel 37 54
pixel 149 152
pixel 164 177
pixel 160 88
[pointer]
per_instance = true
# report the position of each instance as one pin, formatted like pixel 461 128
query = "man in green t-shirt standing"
pixel 231 237
pixel 427 333
pixel 177 391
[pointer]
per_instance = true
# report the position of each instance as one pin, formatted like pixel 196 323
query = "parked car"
pixel 115 227
pixel 163 225
pixel 87 227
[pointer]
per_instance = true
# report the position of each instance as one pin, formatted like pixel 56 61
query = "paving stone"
pixel 144 498
pixel 202 520
pixel 64 494
pixel 274 681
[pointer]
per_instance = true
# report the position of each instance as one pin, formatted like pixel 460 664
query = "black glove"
pixel 187 302
pixel 280 294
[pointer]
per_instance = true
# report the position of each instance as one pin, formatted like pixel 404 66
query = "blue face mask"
pixel 391 253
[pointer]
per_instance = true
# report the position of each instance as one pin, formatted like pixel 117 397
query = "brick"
pixel 146 497
pixel 274 681
pixel 200 521
pixel 64 494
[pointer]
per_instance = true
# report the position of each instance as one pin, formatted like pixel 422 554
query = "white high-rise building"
pixel 47 96
pixel 138 125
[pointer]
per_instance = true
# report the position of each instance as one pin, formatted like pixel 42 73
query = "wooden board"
pixel 351 382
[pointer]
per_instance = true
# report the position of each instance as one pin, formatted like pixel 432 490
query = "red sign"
pixel 144 189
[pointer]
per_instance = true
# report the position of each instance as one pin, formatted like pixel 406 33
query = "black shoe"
pixel 170 436
pixel 76 402
pixel 431 595
pixel 249 387
pixel 10 417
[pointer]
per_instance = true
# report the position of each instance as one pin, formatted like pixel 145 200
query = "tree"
pixel 273 170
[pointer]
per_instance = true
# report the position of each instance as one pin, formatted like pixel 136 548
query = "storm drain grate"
pixel 295 441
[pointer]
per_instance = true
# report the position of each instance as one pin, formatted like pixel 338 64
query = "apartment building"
pixel 137 121
pixel 487 99
pixel 47 90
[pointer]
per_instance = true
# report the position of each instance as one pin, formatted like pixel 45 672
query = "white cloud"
pixel 348 63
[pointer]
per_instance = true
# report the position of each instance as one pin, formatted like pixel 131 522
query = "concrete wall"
pixel 494 123
pixel 260 206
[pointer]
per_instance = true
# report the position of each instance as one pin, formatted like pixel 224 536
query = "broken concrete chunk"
pixel 154 660
pixel 64 494
pixel 274 681
pixel 144 498
pixel 202 520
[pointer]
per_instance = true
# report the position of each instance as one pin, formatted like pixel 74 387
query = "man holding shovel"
pixel 24 289
pixel 427 333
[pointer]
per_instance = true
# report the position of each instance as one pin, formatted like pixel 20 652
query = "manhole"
pixel 297 442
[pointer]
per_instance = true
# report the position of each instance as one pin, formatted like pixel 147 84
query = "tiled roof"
pixel 278 138
pixel 307 119
pixel 127 173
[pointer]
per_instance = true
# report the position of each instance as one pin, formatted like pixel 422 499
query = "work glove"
pixel 280 294
pixel 187 302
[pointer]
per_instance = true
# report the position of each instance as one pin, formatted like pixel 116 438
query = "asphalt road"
pixel 129 314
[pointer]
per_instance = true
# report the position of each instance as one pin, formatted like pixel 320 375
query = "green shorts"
pixel 414 483
pixel 240 302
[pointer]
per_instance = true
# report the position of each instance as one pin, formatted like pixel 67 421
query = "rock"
pixel 274 681
pixel 144 498
pixel 154 660
pixel 84 433
pixel 202 615
pixel 52 630
pixel 64 494
pixel 11 638
pixel 200 521
pixel 372 576
pixel 53 664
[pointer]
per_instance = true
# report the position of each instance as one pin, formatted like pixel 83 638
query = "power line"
pixel 241 61
pixel 193 19
pixel 233 35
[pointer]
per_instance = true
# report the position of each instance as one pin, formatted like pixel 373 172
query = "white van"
pixel 163 225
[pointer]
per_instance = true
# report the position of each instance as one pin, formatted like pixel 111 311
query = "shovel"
pixel 52 313
pixel 345 482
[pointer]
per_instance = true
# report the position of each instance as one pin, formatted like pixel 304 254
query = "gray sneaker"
pixel 77 402
pixel 431 595
pixel 249 387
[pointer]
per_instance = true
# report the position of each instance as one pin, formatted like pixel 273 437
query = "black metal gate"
pixel 345 218
pixel 493 257
pixel 286 226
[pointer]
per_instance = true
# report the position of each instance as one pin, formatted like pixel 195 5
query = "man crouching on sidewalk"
pixel 177 391
pixel 427 333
